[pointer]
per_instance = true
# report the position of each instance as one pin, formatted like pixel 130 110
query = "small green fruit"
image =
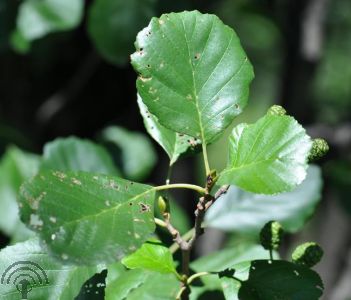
pixel 162 205
pixel 276 110
pixel 319 148
pixel 271 235
pixel 308 254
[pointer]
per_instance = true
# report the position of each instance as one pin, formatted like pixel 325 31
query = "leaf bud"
pixel 162 205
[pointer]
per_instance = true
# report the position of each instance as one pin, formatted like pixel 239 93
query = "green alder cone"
pixel 276 110
pixel 271 235
pixel 319 148
pixel 308 254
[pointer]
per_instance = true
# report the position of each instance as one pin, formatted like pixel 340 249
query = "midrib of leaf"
pixel 157 262
pixel 115 208
pixel 270 160
pixel 224 85
pixel 255 142
pixel 194 85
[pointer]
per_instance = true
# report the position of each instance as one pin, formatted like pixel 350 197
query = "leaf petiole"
pixel 196 188
pixel 160 223
pixel 197 275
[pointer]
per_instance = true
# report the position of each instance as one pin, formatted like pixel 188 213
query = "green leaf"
pixel 120 282
pixel 246 213
pixel 138 156
pixel 175 144
pixel 74 154
pixel 36 18
pixel 228 258
pixel 194 74
pixel 157 287
pixel 15 167
pixel 267 157
pixel 86 218
pixel 237 258
pixel 64 281
pixel 280 280
pixel 152 256
pixel 230 288
pixel 113 24
pixel 139 284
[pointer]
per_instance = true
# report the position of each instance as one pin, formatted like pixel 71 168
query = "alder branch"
pixel 185 246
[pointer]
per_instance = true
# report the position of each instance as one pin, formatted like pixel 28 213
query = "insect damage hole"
pixel 144 207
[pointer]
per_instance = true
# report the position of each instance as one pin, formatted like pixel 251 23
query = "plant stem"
pixel 160 222
pixel 271 254
pixel 196 188
pixel 185 261
pixel 207 165
pixel 186 242
pixel 186 237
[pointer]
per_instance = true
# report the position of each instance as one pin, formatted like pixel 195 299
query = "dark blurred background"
pixel 72 76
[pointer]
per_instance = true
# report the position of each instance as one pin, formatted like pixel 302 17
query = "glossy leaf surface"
pixel 194 74
pixel 86 218
pixel 152 256
pixel 267 157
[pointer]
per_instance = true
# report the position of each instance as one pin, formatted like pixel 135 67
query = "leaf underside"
pixel 175 144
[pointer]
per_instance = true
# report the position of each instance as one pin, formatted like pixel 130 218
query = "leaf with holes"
pixel 53 281
pixel 237 258
pixel 74 154
pixel 152 256
pixel 194 74
pixel 280 280
pixel 86 218
pixel 267 157
pixel 175 144
pixel 246 213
